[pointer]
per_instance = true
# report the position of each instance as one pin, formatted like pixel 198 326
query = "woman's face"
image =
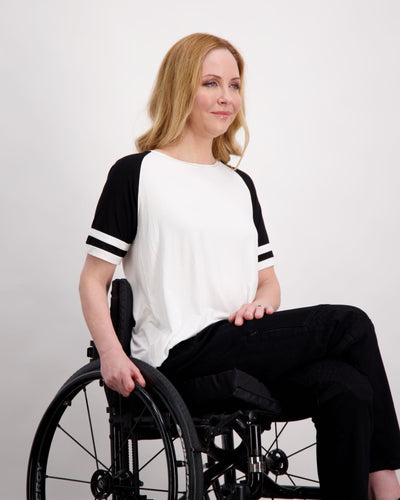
pixel 217 101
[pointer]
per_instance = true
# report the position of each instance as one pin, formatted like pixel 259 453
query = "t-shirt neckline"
pixel 186 162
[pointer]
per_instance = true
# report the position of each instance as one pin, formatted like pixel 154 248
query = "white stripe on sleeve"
pixel 103 255
pixel 106 238
pixel 264 248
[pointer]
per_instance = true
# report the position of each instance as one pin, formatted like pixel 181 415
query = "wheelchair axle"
pixel 104 484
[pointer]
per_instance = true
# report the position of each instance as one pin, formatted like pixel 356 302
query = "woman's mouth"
pixel 222 114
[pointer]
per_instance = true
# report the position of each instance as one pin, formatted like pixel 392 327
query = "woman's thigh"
pixel 267 348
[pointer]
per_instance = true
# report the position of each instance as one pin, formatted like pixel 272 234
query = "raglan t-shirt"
pixel 192 240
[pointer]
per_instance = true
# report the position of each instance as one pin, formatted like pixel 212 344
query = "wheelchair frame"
pixel 153 417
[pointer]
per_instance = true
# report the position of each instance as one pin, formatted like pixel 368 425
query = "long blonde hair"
pixel 173 95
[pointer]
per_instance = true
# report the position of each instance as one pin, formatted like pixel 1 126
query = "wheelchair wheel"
pixel 290 451
pixel 282 467
pixel 93 443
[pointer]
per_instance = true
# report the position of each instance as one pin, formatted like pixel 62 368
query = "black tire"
pixel 93 443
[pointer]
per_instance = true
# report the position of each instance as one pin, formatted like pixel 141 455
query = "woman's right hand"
pixel 119 372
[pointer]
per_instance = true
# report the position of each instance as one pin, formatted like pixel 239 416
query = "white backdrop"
pixel 323 108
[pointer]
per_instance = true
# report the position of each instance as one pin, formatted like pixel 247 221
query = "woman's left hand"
pixel 254 310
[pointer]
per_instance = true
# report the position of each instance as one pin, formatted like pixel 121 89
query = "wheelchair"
pixel 198 440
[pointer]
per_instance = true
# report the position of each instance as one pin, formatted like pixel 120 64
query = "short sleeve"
pixel 265 255
pixel 115 222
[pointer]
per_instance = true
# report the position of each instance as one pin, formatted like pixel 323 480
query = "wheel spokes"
pixel 59 478
pixel 91 426
pixel 80 445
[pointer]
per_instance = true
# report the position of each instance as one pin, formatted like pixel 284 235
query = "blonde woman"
pixel 190 232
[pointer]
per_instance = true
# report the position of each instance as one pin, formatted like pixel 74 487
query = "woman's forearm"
pixel 94 283
pixel 95 309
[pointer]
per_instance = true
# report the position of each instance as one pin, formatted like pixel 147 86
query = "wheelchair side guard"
pixel 121 308
pixel 227 391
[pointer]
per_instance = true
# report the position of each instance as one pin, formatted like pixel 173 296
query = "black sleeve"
pixel 115 222
pixel 264 246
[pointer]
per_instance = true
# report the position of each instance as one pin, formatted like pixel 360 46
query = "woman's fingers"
pixel 240 315
pixel 232 317
pixel 136 374
pixel 120 373
pixel 127 386
pixel 128 379
pixel 246 312
pixel 259 311
pixel 249 312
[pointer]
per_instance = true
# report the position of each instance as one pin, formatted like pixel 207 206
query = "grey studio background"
pixel 323 109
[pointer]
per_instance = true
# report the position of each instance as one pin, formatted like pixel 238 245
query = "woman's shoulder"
pixel 129 161
pixel 127 167
pixel 246 177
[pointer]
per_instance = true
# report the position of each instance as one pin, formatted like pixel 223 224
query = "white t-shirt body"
pixel 191 238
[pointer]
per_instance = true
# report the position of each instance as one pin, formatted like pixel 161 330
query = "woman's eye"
pixel 235 86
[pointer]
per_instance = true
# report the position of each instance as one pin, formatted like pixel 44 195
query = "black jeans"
pixel 324 360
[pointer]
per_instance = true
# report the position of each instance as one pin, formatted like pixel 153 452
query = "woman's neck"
pixel 190 149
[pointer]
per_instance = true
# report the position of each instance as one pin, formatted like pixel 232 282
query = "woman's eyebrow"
pixel 219 77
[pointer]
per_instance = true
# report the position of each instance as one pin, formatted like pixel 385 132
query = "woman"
pixel 190 231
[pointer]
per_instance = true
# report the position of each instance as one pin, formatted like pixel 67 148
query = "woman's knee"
pixel 348 324
pixel 349 313
pixel 360 325
pixel 359 316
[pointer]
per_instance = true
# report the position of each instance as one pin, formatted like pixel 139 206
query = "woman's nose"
pixel 223 98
